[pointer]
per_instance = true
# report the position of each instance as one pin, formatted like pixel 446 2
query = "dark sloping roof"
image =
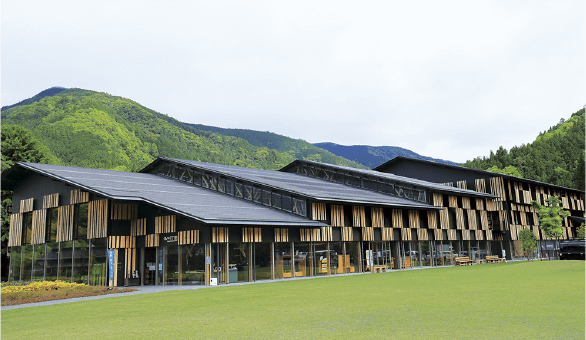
pixel 397 159
pixel 439 188
pixel 313 188
pixel 201 204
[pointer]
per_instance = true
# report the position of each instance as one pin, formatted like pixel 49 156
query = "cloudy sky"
pixel 446 79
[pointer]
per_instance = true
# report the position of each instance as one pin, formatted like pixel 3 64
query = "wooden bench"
pixel 463 261
pixel 492 259
pixel 379 269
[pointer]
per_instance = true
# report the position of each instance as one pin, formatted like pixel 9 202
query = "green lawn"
pixel 520 300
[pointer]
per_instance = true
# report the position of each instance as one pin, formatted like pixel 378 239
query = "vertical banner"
pixel 111 264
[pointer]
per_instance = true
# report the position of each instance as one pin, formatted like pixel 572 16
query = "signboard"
pixel 170 239
pixel 111 263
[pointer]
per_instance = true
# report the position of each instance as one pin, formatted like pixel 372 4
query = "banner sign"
pixel 111 263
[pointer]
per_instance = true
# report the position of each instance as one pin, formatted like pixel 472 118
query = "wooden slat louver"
pixel 188 237
pixel 253 235
pixel 65 223
pixel 15 236
pixel 26 205
pixel 124 211
pixel 138 227
pixel 337 215
pixel 281 235
pixel 77 196
pixel 39 226
pixel 219 234
pixel 358 216
pixel 318 211
pixel 97 226
pixel 378 217
pixel 166 224
pixel 51 201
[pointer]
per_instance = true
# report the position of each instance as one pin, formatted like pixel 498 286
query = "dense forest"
pixel 556 156
pixel 96 130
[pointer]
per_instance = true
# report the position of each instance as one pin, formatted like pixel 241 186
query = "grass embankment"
pixel 520 300
pixel 15 294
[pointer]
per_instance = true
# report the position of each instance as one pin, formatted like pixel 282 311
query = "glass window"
pixel 205 181
pixel 197 178
pixel 39 263
pixel 27 228
pixel 52 261
pixel 386 188
pixel 65 261
pixel 229 187
pixel 221 185
pixel 352 260
pixel 51 233
pixel 262 261
pixel 98 262
pixel 286 203
pixel 257 195
pixel 81 261
pixel 213 183
pixel 238 262
pixel 239 190
pixel 266 197
pixel 81 217
pixel 322 258
pixel 302 259
pixel 338 177
pixel 276 200
pixel 299 207
pixel 171 265
pixel 283 263
pixel 353 181
pixel 248 192
pixel 193 264
pixel 27 263
pixel 337 260
pixel 15 263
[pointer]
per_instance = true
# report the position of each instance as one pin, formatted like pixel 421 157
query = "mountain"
pixel 373 156
pixel 556 156
pixel 297 148
pixel 97 130
pixel 46 93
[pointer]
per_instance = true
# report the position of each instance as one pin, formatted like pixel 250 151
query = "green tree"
pixel 580 231
pixel 528 242
pixel 18 145
pixel 551 216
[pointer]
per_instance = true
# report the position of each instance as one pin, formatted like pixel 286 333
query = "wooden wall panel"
pixel 397 218
pixel 465 235
pixel 452 201
pixel 489 235
pixel 438 200
pixel 438 235
pixel 378 217
pixel 124 211
pixel 414 219
pixel 337 212
pixel 318 211
pixel 77 196
pixel 138 227
pixel 483 220
pixel 310 235
pixel 188 237
pixel 462 185
pixel 479 204
pixel 39 226
pixel 387 234
pixel 326 234
pixel 406 234
pixel 65 223
pixel 15 236
pixel 151 240
pixel 254 235
pixel 432 220
pixel 422 235
pixel 51 201
pixel 452 235
pixel 504 220
pixel 460 219
pixel 220 235
pixel 130 262
pixel 535 229
pixel 347 234
pixel 26 205
pixel 358 216
pixel 466 203
pixel 119 242
pixel 97 226
pixel 166 224
pixel 281 235
pixel 480 185
pixel 444 219
pixel 497 187
pixel 367 234
pixel 479 235
pixel 471 219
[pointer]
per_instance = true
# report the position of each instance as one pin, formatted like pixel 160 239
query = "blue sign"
pixel 111 263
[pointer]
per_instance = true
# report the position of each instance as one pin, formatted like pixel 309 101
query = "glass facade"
pixel 283 260
pixel 337 259
pixel 81 261
pixel 52 261
pixel 27 263
pixel 39 263
pixel 193 264
pixel 15 263
pixel 262 261
pixel 66 261
pixel 321 258
pixel 98 262
pixel 302 259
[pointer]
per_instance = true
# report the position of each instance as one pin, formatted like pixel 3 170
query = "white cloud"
pixel 447 79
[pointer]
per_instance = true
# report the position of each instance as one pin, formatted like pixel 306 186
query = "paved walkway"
pixel 158 289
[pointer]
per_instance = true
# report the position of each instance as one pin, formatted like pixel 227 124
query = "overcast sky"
pixel 446 79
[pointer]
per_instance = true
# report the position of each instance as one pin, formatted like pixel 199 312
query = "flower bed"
pixel 19 293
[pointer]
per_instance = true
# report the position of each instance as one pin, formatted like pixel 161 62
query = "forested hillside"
pixel 556 156
pixel 373 156
pixel 97 130
pixel 297 148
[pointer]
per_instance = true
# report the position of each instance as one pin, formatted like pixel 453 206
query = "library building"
pixel 181 222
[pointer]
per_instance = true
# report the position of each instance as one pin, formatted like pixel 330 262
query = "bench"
pixel 379 269
pixel 492 259
pixel 463 261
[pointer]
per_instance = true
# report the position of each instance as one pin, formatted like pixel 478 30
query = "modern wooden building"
pixel 180 222
pixel 513 211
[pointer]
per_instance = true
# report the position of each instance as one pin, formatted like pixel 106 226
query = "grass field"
pixel 519 300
